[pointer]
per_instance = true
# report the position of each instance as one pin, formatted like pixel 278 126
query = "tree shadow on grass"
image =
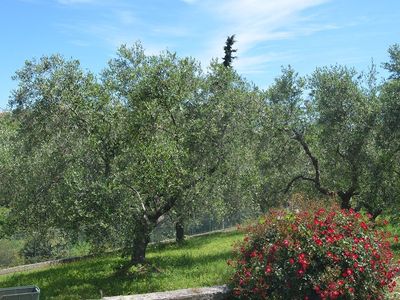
pixel 188 260
pixel 194 243
pixel 96 277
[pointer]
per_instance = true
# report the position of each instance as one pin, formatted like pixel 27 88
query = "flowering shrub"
pixel 325 254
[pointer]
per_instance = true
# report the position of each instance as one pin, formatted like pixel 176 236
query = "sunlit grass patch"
pixel 197 262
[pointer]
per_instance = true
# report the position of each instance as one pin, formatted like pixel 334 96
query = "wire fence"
pixel 12 250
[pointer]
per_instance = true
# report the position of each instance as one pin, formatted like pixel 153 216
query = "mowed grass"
pixel 198 262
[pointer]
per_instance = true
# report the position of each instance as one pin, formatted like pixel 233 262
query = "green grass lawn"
pixel 200 261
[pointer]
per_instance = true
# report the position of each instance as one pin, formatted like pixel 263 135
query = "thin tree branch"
pixel 317 181
pixel 291 182
pixel 340 153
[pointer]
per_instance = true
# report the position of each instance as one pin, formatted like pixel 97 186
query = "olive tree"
pixel 8 128
pixel 65 145
pixel 388 178
pixel 154 167
pixel 220 139
pixel 324 142
pixel 107 156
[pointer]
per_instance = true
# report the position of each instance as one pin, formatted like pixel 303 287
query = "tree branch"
pixel 340 153
pixel 158 216
pixel 298 177
pixel 143 206
pixel 317 180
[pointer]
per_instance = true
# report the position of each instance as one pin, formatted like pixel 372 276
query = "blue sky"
pixel 269 33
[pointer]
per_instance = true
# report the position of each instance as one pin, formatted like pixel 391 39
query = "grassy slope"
pixel 199 262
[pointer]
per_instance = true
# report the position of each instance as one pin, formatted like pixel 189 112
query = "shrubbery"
pixel 320 254
pixel 9 252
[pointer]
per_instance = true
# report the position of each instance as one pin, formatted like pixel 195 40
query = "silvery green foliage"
pixel 107 158
pixel 325 137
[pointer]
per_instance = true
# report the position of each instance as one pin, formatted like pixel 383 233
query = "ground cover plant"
pixel 198 262
pixel 321 254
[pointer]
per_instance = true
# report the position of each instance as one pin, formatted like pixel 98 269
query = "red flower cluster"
pixel 326 254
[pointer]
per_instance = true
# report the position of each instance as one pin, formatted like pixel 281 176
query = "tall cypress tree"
pixel 229 51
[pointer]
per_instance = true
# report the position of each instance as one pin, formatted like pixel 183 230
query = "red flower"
pixel 268 269
pixel 343 240
pixel 347 272
pixel 317 240
pixel 317 222
pixel 364 226
pixel 334 294
pixel 330 240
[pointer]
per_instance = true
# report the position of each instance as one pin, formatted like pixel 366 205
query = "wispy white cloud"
pixel 72 2
pixel 190 1
pixel 251 64
pixel 79 43
pixel 171 31
pixel 254 22
pixel 125 17
pixel 257 22
pixel 112 35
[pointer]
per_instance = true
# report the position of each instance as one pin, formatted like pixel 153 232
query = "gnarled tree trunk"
pixel 345 198
pixel 179 230
pixel 139 250
pixel 144 225
pixel 139 244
